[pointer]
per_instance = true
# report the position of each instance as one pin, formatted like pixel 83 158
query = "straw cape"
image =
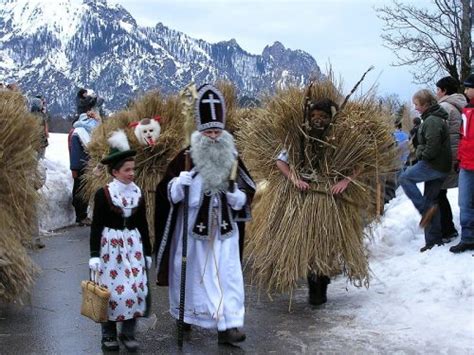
pixel 295 232
pixel 150 161
pixel 20 140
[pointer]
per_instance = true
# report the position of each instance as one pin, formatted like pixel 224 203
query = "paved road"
pixel 50 322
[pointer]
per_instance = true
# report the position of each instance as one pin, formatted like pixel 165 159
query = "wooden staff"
pixel 188 97
pixel 184 253
pixel 233 176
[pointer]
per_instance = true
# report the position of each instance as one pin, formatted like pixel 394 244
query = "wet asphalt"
pixel 49 321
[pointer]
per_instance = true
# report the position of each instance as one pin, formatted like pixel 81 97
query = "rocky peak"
pixel 54 50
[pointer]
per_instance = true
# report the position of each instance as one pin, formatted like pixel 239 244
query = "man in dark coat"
pixel 453 103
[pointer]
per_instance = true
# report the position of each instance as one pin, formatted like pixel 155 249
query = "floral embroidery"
pixel 123 273
pixel 120 289
pixel 135 271
pixel 106 258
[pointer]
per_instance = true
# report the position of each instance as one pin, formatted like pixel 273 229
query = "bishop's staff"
pixel 233 176
pixel 188 97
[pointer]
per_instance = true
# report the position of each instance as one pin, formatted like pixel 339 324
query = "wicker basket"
pixel 95 301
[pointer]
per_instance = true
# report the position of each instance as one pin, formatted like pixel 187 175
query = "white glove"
pixel 149 261
pixel 94 264
pixel 236 199
pixel 177 185
pixel 185 178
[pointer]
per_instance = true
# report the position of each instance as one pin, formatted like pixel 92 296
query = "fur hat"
pixel 119 148
pixel 469 82
pixel 210 108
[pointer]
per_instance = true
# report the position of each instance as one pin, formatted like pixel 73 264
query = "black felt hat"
pixel 119 148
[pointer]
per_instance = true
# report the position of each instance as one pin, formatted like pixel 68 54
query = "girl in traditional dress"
pixel 119 245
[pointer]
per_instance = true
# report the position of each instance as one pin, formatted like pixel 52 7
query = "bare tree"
pixel 437 41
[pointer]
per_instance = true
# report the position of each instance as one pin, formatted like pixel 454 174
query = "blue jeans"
pixel 466 205
pixel 433 179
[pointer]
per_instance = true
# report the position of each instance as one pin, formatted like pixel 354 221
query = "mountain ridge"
pixel 54 50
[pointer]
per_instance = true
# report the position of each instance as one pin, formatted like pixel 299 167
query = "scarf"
pixel 124 196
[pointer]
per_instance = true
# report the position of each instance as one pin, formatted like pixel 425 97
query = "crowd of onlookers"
pixel 439 151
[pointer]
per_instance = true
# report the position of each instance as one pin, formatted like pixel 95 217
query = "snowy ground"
pixel 423 299
pixel 416 300
pixel 56 195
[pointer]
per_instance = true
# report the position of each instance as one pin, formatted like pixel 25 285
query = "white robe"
pixel 214 280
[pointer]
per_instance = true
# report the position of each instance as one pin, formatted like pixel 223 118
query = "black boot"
pixel 109 336
pixel 230 336
pixel 128 335
pixel 130 343
pixel 110 344
pixel 318 286
pixel 461 247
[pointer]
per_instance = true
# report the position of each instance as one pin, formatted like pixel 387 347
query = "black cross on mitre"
pixel 210 108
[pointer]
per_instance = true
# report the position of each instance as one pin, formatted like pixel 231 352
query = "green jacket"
pixel 433 137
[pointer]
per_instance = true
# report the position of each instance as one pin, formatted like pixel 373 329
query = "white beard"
pixel 213 160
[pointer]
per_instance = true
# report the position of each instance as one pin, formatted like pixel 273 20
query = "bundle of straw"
pixel 150 161
pixel 19 141
pixel 295 232
pixel 232 111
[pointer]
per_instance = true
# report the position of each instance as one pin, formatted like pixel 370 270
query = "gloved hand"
pixel 94 264
pixel 149 261
pixel 177 187
pixel 185 178
pixel 236 199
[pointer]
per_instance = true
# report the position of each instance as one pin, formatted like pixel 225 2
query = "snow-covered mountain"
pixel 55 47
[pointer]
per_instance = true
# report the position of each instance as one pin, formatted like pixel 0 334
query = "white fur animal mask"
pixel 147 130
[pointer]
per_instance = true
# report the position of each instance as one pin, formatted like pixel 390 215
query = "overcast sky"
pixel 343 33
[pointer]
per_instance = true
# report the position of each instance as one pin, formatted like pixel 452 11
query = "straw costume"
pixel 297 234
pixel 119 244
pixel 20 141
pixel 214 282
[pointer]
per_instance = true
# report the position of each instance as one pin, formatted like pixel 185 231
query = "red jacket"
pixel 466 145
